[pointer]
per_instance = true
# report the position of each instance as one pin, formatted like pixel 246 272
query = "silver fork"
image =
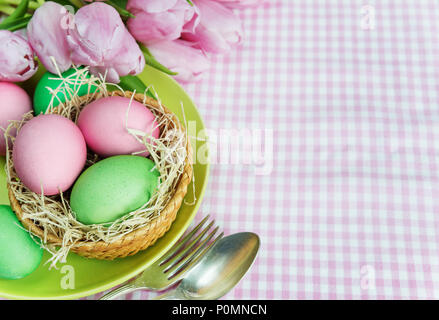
pixel 174 264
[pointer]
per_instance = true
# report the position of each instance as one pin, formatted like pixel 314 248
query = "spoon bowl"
pixel 219 270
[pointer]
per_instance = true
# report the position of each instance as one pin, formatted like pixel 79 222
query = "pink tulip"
pixel 240 4
pixel 158 20
pixel 181 57
pixel 219 28
pixel 47 35
pixel 129 62
pixel 16 58
pixel 101 41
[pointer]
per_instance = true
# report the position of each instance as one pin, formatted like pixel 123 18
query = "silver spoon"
pixel 219 270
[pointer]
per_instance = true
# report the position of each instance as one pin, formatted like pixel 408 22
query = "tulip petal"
pixel 47 35
pixel 219 29
pixel 151 6
pixel 98 30
pixel 17 61
pixel 130 61
pixel 181 57
pixel 158 20
pixel 192 24
pixel 110 74
pixel 148 28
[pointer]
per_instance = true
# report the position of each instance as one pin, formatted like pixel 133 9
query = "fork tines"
pixel 189 250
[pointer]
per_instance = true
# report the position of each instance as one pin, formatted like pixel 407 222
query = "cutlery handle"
pixel 127 288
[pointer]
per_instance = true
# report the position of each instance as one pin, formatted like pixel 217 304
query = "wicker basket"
pixel 139 239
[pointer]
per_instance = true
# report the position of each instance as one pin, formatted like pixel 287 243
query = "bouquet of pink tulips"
pixel 116 38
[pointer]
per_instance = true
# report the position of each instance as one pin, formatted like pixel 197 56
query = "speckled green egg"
pixel 20 255
pixel 42 95
pixel 113 187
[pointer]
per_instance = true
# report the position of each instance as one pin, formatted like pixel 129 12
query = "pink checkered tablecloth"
pixel 349 91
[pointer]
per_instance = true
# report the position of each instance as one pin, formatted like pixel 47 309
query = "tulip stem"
pixel 19 12
pixel 16 24
pixel 77 3
pixel 19 26
pixel 6 9
pixel 32 4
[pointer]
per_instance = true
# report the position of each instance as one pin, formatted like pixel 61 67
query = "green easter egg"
pixel 43 97
pixel 113 187
pixel 20 255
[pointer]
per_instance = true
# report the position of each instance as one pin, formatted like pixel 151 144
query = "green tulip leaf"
pixel 133 83
pixel 16 24
pixel 121 9
pixel 19 12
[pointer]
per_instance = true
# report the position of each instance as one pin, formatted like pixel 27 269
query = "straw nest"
pixel 51 219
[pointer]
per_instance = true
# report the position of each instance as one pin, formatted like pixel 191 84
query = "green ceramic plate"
pixel 90 275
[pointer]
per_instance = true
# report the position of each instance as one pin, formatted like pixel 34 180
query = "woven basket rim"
pixel 170 209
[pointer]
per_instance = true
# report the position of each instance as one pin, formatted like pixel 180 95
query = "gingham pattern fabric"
pixel 350 209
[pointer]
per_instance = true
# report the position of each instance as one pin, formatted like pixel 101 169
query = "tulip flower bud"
pixel 158 20
pixel 46 32
pixel 219 29
pixel 101 41
pixel 17 61
pixel 181 57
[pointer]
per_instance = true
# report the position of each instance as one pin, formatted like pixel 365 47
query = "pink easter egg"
pixel 49 153
pixel 105 124
pixel 14 103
